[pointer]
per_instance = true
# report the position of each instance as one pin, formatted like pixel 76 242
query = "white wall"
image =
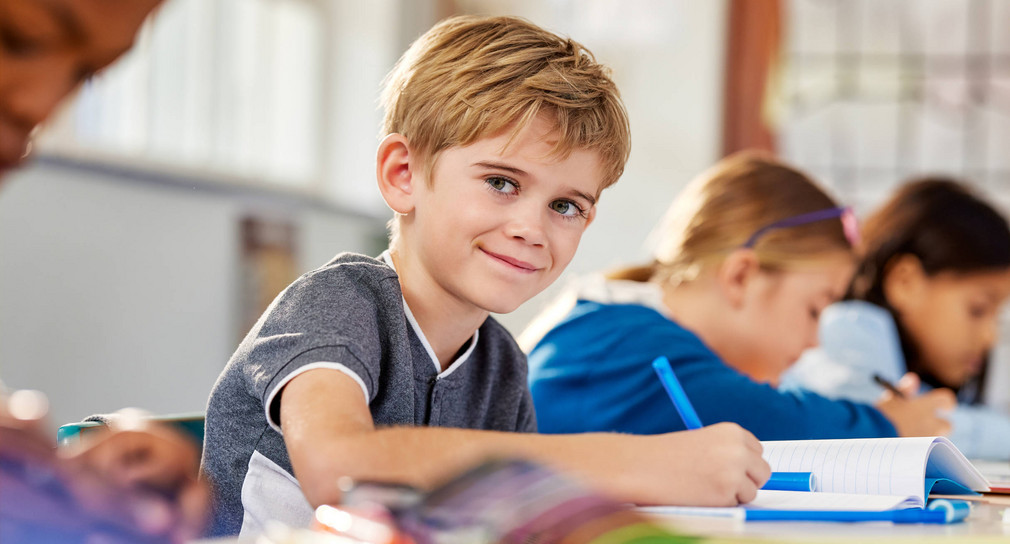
pixel 117 291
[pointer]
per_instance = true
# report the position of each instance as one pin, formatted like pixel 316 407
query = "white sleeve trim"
pixel 302 370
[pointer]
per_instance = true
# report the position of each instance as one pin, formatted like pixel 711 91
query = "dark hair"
pixel 942 223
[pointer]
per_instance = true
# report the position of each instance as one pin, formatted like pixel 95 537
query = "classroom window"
pixel 875 92
pixel 274 93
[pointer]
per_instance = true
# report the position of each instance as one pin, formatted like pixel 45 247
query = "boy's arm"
pixel 329 433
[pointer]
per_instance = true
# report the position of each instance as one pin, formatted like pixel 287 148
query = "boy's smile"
pixel 495 225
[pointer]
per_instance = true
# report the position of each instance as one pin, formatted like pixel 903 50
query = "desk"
pixel 985 524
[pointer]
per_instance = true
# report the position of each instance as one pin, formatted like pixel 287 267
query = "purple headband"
pixel 848 219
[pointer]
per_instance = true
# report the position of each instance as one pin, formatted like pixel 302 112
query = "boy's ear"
pixel 394 172
pixel 904 279
pixel 736 273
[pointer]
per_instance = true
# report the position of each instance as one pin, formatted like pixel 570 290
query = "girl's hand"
pixel 118 486
pixel 144 477
pixel 918 415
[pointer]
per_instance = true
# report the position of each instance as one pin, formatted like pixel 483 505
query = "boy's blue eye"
pixel 502 185
pixel 566 207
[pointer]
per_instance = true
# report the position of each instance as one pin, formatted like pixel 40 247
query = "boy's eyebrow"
pixel 520 173
pixel 501 166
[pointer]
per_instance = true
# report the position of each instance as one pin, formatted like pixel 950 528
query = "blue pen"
pixel 789 481
pixel 912 515
pixel 945 513
pixel 680 401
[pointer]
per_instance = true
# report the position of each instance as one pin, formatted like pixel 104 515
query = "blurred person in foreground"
pixel 131 482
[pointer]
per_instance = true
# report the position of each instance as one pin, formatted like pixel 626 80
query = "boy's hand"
pixel 718 465
pixel 918 415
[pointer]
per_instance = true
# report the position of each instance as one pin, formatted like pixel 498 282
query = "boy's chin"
pixel 501 306
pixel 503 309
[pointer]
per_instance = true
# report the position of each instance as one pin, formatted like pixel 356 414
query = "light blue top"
pixel 858 340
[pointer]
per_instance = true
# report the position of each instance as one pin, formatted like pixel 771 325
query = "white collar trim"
pixel 388 259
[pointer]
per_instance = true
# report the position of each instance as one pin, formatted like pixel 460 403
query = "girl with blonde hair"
pixel 748 256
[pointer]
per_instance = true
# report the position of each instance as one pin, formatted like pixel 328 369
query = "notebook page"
pixel 801 500
pixel 946 461
pixel 871 466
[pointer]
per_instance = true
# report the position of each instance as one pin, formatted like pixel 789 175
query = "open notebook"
pixel 869 474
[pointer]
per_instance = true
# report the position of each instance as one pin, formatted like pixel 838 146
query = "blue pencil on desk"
pixel 911 515
pixel 785 481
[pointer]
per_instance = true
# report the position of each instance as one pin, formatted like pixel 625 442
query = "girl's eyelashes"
pixel 15 43
pixel 977 311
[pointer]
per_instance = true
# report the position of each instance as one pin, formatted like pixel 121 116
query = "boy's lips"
pixel 522 265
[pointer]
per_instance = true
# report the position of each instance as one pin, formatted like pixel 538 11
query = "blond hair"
pixel 722 208
pixel 472 77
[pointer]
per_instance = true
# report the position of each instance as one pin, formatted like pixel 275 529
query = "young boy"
pixel 500 137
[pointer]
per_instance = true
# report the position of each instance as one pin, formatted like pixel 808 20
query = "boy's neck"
pixel 447 322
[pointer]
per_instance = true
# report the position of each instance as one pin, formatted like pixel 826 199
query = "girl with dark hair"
pixel 922 310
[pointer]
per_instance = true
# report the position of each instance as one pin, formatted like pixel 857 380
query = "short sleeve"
pixel 527 420
pixel 333 315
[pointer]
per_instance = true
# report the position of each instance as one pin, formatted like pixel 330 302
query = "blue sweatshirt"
pixel 592 372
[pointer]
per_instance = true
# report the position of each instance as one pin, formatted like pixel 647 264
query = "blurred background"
pixel 233 150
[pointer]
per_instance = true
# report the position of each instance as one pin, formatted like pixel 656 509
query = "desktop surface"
pixel 984 524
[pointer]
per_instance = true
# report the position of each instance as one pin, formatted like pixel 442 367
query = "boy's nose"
pixel 527 225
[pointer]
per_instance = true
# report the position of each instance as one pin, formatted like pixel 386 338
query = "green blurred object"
pixel 191 423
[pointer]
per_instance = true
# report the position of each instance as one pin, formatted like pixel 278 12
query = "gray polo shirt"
pixel 348 316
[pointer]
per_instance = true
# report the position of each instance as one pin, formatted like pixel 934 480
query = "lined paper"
pixel 800 500
pixel 873 466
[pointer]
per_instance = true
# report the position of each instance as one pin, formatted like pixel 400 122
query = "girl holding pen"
pixel 923 309
pixel 749 255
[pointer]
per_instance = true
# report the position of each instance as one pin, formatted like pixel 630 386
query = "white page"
pixel 872 466
pixel 803 500
pixel 946 461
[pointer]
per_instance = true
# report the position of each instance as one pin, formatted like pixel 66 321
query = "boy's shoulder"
pixel 349 263
pixel 349 281
pixel 353 269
